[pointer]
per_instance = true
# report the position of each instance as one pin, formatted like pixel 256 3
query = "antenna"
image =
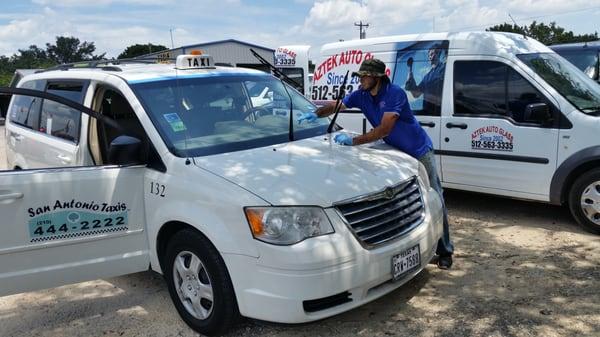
pixel 515 22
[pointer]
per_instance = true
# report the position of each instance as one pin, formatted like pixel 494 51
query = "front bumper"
pixel 276 286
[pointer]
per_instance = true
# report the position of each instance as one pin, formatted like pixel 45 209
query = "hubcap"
pixel 193 285
pixel 590 202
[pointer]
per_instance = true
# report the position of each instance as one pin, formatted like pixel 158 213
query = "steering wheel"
pixel 257 112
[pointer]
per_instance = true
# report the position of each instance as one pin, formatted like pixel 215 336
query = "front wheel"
pixel 584 200
pixel 199 284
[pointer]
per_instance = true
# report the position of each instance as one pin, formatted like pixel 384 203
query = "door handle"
pixel 17 137
pixel 427 124
pixel 10 196
pixel 63 158
pixel 461 126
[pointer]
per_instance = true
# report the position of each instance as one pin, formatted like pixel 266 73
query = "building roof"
pixel 226 41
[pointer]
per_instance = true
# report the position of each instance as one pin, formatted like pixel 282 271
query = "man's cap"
pixel 371 67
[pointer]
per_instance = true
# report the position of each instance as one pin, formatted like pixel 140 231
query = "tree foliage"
pixel 546 34
pixel 140 49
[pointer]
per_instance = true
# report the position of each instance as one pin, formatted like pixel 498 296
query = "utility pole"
pixel 363 34
pixel 172 44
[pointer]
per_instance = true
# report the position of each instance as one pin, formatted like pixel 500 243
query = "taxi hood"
pixel 314 171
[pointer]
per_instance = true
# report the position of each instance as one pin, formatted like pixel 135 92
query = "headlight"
pixel 287 225
pixel 424 176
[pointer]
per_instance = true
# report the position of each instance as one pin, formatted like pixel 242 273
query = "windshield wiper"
pixel 281 76
pixel 338 102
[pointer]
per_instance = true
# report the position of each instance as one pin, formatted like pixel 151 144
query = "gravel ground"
pixel 521 269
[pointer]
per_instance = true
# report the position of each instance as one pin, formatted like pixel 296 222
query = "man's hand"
pixel 310 117
pixel 343 139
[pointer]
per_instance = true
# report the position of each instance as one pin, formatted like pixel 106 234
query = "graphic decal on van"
pixel 72 219
pixel 420 69
pixel 492 138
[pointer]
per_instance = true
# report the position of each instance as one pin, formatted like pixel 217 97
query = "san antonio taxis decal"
pixel 73 219
pixel 492 138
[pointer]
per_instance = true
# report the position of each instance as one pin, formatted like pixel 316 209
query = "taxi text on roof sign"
pixel 194 61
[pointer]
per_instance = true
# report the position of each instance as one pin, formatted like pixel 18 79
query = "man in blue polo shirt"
pixel 386 107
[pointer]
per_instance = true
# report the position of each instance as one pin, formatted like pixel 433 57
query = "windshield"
pixel 571 83
pixel 584 60
pixel 216 114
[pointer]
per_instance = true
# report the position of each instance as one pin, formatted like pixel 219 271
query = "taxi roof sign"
pixel 194 62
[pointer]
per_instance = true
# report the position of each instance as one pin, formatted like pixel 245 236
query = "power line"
pixel 363 34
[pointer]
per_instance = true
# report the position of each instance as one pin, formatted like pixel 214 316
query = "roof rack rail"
pixel 105 64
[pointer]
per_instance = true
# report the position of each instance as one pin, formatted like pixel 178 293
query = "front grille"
pixel 383 216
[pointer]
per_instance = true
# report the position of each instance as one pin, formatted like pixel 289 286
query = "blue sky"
pixel 113 25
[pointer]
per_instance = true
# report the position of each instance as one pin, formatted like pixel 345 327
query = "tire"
pixel 584 200
pixel 199 284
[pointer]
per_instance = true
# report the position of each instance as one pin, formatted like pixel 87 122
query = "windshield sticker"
pixel 492 138
pixel 73 219
pixel 175 122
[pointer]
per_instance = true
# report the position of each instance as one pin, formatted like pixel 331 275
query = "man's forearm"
pixel 370 136
pixel 327 110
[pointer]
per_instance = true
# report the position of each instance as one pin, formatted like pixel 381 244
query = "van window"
pixel 420 70
pixel 572 84
pixel 59 120
pixel 25 110
pixel 488 88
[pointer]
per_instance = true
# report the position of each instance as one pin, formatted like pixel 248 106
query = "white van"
pixel 178 170
pixel 507 116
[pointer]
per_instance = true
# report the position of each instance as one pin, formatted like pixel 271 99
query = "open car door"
pixel 70 224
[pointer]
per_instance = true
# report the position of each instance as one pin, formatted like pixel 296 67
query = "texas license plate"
pixel 406 262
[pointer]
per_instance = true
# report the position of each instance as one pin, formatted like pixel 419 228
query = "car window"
pixel 479 88
pixel 521 93
pixel 59 120
pixel 25 110
pixel 584 60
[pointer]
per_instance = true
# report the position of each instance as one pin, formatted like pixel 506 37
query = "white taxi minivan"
pixel 124 166
pixel 507 115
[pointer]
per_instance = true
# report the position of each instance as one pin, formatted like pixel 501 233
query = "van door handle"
pixel 461 126
pixel 63 158
pixel 10 196
pixel 427 124
pixel 17 137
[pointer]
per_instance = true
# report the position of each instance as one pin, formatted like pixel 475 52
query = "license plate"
pixel 406 262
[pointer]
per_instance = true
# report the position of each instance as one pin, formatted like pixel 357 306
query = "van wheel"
pixel 199 284
pixel 584 200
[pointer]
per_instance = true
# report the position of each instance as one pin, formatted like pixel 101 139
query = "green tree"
pixel 546 34
pixel 140 49
pixel 70 49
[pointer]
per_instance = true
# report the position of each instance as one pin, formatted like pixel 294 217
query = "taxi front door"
pixel 60 226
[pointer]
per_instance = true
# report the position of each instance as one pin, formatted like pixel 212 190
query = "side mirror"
pixel 538 113
pixel 126 150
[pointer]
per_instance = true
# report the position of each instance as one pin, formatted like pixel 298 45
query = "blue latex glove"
pixel 343 139
pixel 310 117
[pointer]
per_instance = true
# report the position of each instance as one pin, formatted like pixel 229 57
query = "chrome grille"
pixel 383 216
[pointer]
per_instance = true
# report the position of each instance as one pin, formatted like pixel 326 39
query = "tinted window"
pixel 520 94
pixel 59 120
pixel 420 70
pixel 480 88
pixel 25 110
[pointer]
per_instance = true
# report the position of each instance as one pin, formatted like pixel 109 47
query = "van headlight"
pixel 287 225
pixel 424 176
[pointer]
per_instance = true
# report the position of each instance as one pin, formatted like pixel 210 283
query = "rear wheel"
pixel 199 284
pixel 584 200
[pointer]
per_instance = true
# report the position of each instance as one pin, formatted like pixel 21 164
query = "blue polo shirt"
pixel 407 135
